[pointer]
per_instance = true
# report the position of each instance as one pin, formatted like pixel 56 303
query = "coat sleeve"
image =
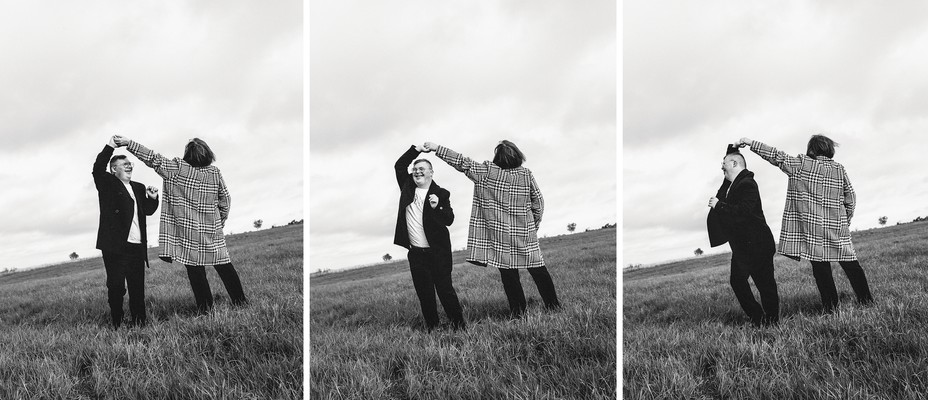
pixel 225 201
pixel 473 170
pixel 538 202
pixel 402 165
pixel 162 165
pixel 443 212
pixel 99 167
pixel 788 164
pixel 850 198
pixel 741 200
pixel 150 205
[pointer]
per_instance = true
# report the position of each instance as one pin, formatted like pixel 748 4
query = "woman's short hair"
pixel 821 145
pixel 198 154
pixel 507 155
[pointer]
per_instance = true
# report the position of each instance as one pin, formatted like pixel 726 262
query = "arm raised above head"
pixel 161 164
pixel 473 170
pixel 788 164
pixel 402 164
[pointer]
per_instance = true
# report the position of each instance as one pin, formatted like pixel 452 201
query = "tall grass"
pixel 367 340
pixel 685 337
pixel 56 340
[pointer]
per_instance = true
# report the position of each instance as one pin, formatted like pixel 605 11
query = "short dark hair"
pixel 116 158
pixel 738 154
pixel 821 145
pixel 198 154
pixel 422 160
pixel 507 155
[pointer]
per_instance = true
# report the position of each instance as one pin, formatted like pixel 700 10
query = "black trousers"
pixel 826 282
pixel 760 270
pixel 200 285
pixel 513 288
pixel 126 270
pixel 430 276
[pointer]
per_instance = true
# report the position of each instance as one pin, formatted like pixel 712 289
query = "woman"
pixel 194 211
pixel 819 205
pixel 504 220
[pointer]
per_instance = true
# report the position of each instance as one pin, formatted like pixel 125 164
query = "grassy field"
pixel 367 339
pixel 685 337
pixel 56 340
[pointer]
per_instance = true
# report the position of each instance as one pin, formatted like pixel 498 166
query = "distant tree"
pixel 697 252
pixel 74 256
pixel 387 257
pixel 571 226
pixel 258 223
pixel 295 222
pixel 883 220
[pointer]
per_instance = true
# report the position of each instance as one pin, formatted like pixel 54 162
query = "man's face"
pixel 122 168
pixel 422 174
pixel 728 166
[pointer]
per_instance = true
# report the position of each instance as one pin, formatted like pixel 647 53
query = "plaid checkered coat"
pixel 195 206
pixel 819 205
pixel 506 212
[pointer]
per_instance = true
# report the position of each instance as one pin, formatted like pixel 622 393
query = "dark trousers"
pixel 760 270
pixel 430 276
pixel 200 285
pixel 513 288
pixel 126 270
pixel 826 282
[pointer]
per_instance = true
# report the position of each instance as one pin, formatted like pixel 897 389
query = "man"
pixel 422 222
pixel 736 217
pixel 121 235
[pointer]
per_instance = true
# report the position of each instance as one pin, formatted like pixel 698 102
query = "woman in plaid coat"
pixel 194 210
pixel 820 202
pixel 504 218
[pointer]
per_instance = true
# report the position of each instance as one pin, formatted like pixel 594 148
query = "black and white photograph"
pixel 462 199
pixel 791 265
pixel 152 226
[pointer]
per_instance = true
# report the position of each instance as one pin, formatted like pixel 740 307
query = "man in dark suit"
pixel 121 235
pixel 737 217
pixel 422 222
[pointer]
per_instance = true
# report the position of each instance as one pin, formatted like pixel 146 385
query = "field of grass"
pixel 367 340
pixel 56 340
pixel 685 337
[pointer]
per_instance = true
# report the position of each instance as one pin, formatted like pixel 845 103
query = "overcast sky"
pixel 698 75
pixel 75 73
pixel 463 74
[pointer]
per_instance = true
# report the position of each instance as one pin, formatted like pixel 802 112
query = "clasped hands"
pixel 427 147
pixel 120 141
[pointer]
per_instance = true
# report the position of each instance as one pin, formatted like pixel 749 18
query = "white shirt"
pixel 135 234
pixel 414 219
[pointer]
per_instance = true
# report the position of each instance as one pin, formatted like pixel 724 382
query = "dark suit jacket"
pixel 738 218
pixel 435 221
pixel 116 206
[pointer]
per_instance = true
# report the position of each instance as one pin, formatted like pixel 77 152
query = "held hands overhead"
pixel 743 142
pixel 428 147
pixel 120 141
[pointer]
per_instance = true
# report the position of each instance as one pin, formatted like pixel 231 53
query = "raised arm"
pixel 788 164
pixel 402 165
pixel 162 165
pixel 100 164
pixel 473 170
